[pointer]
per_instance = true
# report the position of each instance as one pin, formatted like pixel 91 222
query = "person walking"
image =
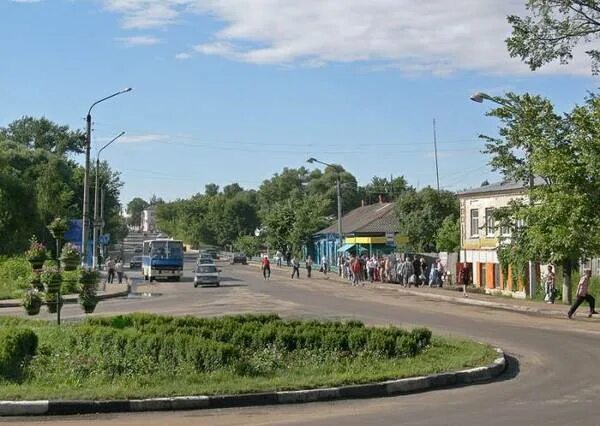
pixel 549 287
pixel 324 266
pixel 371 266
pixel 266 267
pixel 309 263
pixel 119 270
pixel 356 270
pixel 110 267
pixel 417 271
pixel 582 294
pixel 406 271
pixel 296 267
pixel 279 258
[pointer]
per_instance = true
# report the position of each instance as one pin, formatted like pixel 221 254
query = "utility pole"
pixel 437 173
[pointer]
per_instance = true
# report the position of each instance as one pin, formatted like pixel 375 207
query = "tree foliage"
pixel 134 209
pixel 39 182
pixel 448 235
pixel 421 214
pixel 561 224
pixel 552 30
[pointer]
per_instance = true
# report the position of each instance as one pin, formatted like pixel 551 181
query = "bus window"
pixel 175 249
pixel 159 249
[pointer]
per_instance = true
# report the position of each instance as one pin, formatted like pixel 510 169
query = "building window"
pixel 489 222
pixel 505 231
pixel 474 222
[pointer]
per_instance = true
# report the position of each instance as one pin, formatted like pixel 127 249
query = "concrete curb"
pixel 369 390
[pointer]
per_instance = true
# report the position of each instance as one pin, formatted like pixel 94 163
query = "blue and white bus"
pixel 163 259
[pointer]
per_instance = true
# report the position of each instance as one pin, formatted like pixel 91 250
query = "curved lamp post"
pixel 97 224
pixel 86 183
pixel 339 196
pixel 480 97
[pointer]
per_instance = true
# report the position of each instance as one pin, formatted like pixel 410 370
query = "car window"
pixel 206 269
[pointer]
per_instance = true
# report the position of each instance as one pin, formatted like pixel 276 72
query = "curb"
pixel 369 390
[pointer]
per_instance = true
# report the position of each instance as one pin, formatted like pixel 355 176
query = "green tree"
pixel 448 236
pixel 44 134
pixel 134 209
pixel 421 214
pixel 248 244
pixel 562 222
pixel 389 190
pixel 211 189
pixel 552 29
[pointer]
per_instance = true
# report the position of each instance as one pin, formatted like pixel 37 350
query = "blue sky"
pixel 234 91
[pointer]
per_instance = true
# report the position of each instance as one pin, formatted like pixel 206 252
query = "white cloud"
pixel 436 36
pixel 139 40
pixel 145 138
pixel 183 56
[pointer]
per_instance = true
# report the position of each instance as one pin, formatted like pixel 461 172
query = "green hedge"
pixel 253 332
pixel 17 347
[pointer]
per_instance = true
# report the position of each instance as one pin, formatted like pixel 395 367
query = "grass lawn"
pixel 72 372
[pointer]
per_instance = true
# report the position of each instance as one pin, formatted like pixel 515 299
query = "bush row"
pixel 17 347
pixel 258 331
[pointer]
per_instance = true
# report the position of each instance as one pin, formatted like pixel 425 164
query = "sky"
pixel 235 90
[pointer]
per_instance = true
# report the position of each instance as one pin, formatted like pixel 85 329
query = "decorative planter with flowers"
pixel 88 299
pixel 36 254
pixel 35 282
pixel 52 301
pixel 32 301
pixel 69 257
pixel 51 278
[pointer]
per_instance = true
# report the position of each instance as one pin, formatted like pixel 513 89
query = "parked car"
pixel 135 262
pixel 213 253
pixel 206 274
pixel 204 258
pixel 239 258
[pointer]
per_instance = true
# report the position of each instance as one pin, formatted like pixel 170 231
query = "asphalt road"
pixel 551 380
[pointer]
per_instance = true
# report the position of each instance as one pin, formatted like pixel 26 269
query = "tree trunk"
pixel 566 290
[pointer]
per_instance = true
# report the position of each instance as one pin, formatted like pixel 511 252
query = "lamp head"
pixel 311 160
pixel 129 89
pixel 478 97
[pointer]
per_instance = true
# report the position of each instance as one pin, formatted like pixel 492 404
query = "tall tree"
pixel 561 224
pixel 44 134
pixel 553 29
pixel 421 214
pixel 134 209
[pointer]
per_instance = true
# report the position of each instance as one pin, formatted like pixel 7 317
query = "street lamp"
pixel 339 195
pixel 479 97
pixel 96 222
pixel 86 183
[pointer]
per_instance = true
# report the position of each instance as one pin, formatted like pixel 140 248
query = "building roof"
pixel 504 186
pixel 374 218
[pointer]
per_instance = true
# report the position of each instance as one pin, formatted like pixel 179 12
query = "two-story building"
pixel 480 235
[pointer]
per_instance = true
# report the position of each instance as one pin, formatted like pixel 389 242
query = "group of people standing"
pixel 394 268
pixel 112 268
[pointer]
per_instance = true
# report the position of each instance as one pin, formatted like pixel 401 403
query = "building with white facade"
pixel 480 237
pixel 149 219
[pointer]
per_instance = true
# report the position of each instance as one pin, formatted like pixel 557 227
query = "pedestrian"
pixel 433 276
pixel 423 276
pixel 582 294
pixel 266 267
pixel 110 267
pixel 309 263
pixel 464 277
pixel 371 266
pixel 549 287
pixel 119 270
pixel 325 266
pixel 356 270
pixel 417 270
pixel 406 272
pixel 288 257
pixel 340 264
pixel 296 267
pixel 279 258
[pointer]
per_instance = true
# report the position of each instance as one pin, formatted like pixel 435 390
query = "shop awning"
pixel 345 247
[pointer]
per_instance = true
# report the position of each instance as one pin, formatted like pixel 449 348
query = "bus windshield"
pixel 165 249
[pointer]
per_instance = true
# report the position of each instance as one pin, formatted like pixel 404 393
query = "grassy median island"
pixel 143 355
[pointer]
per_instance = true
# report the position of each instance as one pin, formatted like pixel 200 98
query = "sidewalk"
pixel 557 310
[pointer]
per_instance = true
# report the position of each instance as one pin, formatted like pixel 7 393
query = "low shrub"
pixel 17 347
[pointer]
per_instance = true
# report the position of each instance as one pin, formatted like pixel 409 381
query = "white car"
pixel 206 274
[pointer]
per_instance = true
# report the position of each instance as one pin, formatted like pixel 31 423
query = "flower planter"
pixel 88 278
pixel 89 307
pixel 69 264
pixel 37 263
pixel 53 286
pixel 32 302
pixel 51 302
